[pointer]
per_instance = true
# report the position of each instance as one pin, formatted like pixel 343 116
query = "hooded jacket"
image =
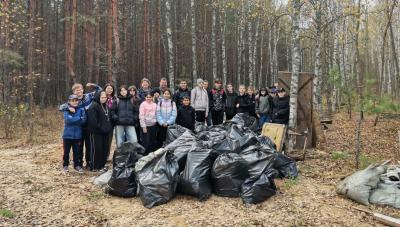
pixel 280 111
pixel 125 111
pixel 217 99
pixel 199 99
pixel 73 123
pixel 99 121
pixel 230 106
pixel 147 114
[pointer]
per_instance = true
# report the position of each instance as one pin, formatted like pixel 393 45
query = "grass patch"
pixel 365 161
pixel 7 213
pixel 289 183
pixel 339 155
pixel 94 196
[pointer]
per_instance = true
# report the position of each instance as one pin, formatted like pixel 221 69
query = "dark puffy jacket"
pixel 73 123
pixel 217 99
pixel 99 117
pixel 230 106
pixel 141 94
pixel 179 95
pixel 186 117
pixel 280 111
pixel 244 103
pixel 125 111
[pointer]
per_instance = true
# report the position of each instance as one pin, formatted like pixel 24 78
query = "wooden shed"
pixel 304 106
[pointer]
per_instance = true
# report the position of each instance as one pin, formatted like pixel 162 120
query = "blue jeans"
pixel 264 118
pixel 125 133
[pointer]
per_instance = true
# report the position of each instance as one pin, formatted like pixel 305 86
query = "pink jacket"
pixel 147 114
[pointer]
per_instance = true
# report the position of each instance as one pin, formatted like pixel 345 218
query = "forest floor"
pixel 34 192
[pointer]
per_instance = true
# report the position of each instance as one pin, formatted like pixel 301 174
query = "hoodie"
pixel 199 99
pixel 99 121
pixel 147 114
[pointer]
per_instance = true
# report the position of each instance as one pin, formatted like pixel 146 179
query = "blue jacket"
pixel 73 123
pixel 166 112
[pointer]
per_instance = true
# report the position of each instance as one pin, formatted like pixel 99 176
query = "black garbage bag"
pixel 245 138
pixel 227 146
pixel 195 179
pixel 123 181
pixel 174 132
pixel 158 179
pixel 285 166
pixel 228 174
pixel 258 189
pixel 181 146
pixel 257 160
pixel 266 141
pixel 245 120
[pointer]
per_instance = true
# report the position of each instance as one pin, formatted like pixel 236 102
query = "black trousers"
pixel 99 150
pixel 161 135
pixel 75 144
pixel 201 116
pixel 217 117
pixel 149 139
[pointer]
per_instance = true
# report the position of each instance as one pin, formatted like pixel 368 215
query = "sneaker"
pixel 79 169
pixel 65 169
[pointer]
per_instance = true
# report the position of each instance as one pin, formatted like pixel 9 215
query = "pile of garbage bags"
pixel 229 160
pixel 377 184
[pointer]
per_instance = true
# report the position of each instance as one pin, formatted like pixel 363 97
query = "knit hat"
pixel 199 81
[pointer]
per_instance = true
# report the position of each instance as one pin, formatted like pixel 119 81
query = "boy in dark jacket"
pixel 242 101
pixel 182 92
pixel 217 102
pixel 73 133
pixel 186 115
pixel 280 111
pixel 230 104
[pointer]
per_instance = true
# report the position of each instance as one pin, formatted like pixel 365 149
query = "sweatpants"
pixel 99 150
pixel 149 139
pixel 217 117
pixel 201 116
pixel 75 144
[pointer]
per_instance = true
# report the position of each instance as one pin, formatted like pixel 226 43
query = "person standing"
pixel 252 97
pixel 186 115
pixel 217 101
pixel 148 123
pixel 166 115
pixel 182 91
pixel 163 86
pixel 199 101
pixel 280 112
pixel 73 133
pixel 135 98
pixel 263 107
pixel 125 113
pixel 242 101
pixel 111 99
pixel 230 105
pixel 99 125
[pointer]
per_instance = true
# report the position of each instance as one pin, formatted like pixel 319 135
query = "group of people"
pixel 143 115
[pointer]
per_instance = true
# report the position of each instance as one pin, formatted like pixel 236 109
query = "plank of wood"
pixel 276 132
pixel 387 220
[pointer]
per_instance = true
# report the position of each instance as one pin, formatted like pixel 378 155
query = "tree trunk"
pixel 71 52
pixel 359 86
pixel 31 27
pixel 146 39
pixel 170 44
pixel 193 36
pixel 109 42
pixel 296 6
pixel 89 39
pixel 240 44
pixel 223 31
pixel 158 40
pixel 118 55
pixel 317 70
pixel 250 52
pixel 213 44
pixel 97 44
